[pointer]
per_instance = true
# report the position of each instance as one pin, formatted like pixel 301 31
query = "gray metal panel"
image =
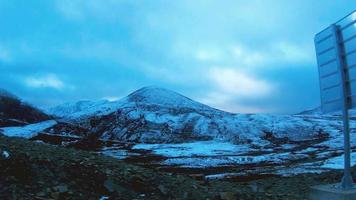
pixel 353 89
pixel 353 102
pixel 332 106
pixel 331 94
pixel 328 69
pixel 326 57
pixel 344 22
pixel 322 35
pixel 330 81
pixel 335 48
pixel 350 45
pixel 324 45
pixel 348 32
pixel 329 73
pixel 351 59
pixel 352 73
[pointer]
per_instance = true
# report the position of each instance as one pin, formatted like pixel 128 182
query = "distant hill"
pixel 15 112
pixel 158 115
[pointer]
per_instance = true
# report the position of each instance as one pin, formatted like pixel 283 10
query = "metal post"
pixel 347 182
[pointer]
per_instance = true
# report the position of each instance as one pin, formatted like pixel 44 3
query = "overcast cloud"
pixel 239 56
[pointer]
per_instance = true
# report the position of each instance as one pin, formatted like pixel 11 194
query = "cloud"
pixel 70 9
pixel 80 10
pixel 232 81
pixel 48 81
pixel 293 53
pixel 208 54
pixel 227 102
pixel 124 44
pixel 264 56
pixel 231 89
pixel 247 57
pixel 5 55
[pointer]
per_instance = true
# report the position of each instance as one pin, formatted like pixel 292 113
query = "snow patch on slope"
pixel 28 131
pixel 204 162
pixel 201 148
pixel 338 162
pixel 84 109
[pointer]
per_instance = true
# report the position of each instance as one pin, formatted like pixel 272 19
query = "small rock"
pixel 5 154
pixel 48 190
pixel 41 194
pixel 163 189
pixel 227 196
pixel 268 194
pixel 111 186
pixel 61 188
pixel 55 195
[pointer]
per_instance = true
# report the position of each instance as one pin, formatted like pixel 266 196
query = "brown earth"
pixel 42 171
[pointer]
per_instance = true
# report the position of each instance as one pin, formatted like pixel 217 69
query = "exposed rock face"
pixel 156 115
pixel 153 115
pixel 14 112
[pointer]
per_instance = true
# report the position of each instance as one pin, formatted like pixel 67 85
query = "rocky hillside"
pixel 156 115
pixel 15 112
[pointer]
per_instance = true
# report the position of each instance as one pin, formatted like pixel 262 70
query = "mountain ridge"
pixel 156 115
pixel 15 112
pixel 153 114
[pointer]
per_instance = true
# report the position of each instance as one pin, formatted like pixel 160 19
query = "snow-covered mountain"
pixel 154 115
pixel 76 109
pixel 147 95
pixel 193 135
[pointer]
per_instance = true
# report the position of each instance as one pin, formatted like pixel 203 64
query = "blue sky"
pixel 239 56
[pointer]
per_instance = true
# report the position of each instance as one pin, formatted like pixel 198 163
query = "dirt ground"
pixel 42 171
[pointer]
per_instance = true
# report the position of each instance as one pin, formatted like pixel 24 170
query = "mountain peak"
pixel 150 90
pixel 163 97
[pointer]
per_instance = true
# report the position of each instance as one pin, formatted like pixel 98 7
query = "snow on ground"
pixel 117 152
pixel 28 131
pixel 206 154
pixel 222 176
pixel 200 148
pixel 77 110
pixel 287 171
pixel 5 154
pixel 338 162
pixel 204 162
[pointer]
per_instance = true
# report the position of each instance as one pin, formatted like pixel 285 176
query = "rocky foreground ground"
pixel 40 171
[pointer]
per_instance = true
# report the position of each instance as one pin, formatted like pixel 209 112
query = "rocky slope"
pixel 156 115
pixel 14 112
pixel 38 171
pixel 30 170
